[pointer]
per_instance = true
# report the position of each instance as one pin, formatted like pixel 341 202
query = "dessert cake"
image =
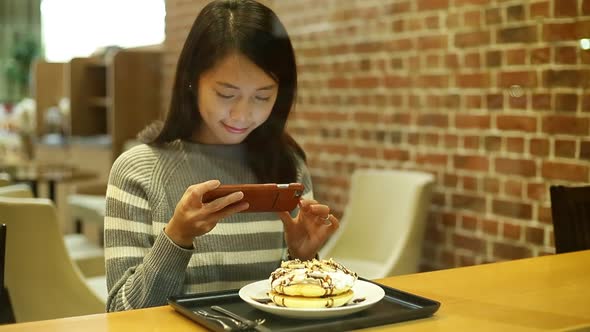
pixel 311 284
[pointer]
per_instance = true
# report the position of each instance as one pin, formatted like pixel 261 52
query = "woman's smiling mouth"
pixel 234 130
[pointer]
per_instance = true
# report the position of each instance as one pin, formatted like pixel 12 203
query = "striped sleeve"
pixel 142 269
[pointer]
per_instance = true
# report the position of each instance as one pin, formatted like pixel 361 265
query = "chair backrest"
pixel 43 281
pixel 384 221
pixel 16 190
pixel 570 211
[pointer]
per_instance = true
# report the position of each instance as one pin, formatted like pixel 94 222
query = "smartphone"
pixel 267 197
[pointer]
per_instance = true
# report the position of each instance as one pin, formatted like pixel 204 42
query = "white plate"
pixel 362 289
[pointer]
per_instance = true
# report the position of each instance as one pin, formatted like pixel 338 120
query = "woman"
pixel 234 88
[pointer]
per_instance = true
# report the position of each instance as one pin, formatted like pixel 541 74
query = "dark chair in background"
pixel 570 210
pixel 6 313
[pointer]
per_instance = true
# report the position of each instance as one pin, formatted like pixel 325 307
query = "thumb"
pixel 196 191
pixel 288 222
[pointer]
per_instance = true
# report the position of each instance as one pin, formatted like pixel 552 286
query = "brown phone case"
pixel 267 197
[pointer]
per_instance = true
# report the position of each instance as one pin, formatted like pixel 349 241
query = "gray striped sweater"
pixel 144 267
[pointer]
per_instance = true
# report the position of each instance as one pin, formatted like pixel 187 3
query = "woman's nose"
pixel 240 111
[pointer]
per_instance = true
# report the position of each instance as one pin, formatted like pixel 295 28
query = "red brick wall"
pixel 492 96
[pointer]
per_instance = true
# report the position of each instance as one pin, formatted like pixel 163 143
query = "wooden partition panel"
pixel 134 88
pixel 89 102
pixel 49 86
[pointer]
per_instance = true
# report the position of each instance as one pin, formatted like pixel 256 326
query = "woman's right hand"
pixel 194 218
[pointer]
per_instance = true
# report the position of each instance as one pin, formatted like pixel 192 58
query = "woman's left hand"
pixel 307 233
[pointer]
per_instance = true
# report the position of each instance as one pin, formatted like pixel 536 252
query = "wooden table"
pixel 52 174
pixel 550 293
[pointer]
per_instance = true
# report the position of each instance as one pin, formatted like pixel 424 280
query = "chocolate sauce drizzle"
pixel 314 273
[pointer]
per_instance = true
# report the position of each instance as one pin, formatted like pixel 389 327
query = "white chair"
pixel 43 281
pixel 88 256
pixel 87 205
pixel 16 190
pixel 5 179
pixel 382 227
pixel 87 209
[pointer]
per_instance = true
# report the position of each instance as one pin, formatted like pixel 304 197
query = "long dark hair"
pixel 254 30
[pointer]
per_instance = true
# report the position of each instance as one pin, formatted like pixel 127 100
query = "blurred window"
pixel 78 28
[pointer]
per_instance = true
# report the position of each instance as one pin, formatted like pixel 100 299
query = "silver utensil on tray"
pixel 219 319
pixel 251 324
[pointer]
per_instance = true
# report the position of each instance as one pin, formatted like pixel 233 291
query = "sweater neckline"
pixel 230 151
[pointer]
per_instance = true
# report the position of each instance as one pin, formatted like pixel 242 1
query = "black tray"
pixel 396 306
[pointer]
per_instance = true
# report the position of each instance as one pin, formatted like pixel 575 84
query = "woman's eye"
pixel 219 94
pixel 262 98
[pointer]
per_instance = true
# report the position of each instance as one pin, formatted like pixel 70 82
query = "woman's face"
pixel 234 98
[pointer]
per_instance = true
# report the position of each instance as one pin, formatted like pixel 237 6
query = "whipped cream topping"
pixel 328 274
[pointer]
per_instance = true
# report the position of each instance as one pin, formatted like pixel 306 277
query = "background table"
pixel 52 174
